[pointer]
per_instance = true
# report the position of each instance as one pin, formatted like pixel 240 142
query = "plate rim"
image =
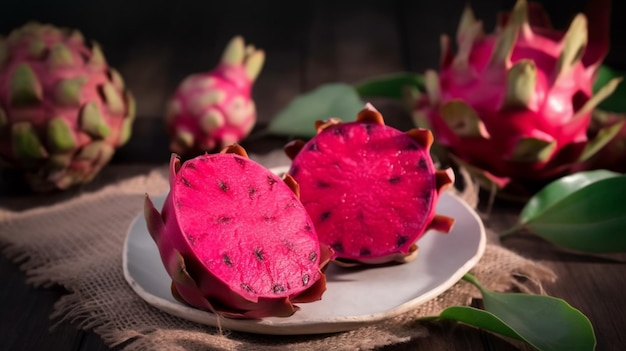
pixel 301 327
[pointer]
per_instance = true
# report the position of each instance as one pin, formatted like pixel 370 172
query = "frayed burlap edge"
pixel 76 241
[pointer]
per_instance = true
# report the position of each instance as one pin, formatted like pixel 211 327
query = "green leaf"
pixel 479 319
pixel 391 86
pixel 584 211
pixel 616 102
pixel 545 322
pixel 558 190
pixel 329 100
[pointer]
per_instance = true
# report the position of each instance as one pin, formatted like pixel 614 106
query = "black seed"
pixel 291 205
pixel 402 239
pixel 190 165
pixel 222 185
pixel 426 194
pixel 312 147
pixel 338 247
pixel 360 216
pixel 247 288
pixel 365 252
pixel 288 244
pixel 251 192
pixel 308 227
pixel 324 216
pixel 185 182
pixel 322 184
pixel 411 146
pixel 338 131
pixel 421 164
pixel 241 161
pixel 394 180
pixel 313 256
pixel 368 128
pixel 268 217
pixel 258 253
pixel 278 288
pixel 271 181
pixel 227 260
pixel 224 219
pixel 305 280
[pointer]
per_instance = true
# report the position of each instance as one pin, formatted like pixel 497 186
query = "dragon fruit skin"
pixel 370 189
pixel 235 238
pixel 214 109
pixel 63 110
pixel 514 106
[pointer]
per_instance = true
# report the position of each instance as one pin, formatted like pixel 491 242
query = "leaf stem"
pixel 472 279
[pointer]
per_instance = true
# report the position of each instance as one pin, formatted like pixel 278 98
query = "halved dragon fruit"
pixel 235 239
pixel 370 189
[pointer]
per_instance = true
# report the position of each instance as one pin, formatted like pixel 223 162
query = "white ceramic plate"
pixel 354 297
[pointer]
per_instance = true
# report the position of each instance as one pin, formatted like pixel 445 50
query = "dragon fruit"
pixel 211 110
pixel 514 106
pixel 235 238
pixel 63 110
pixel 370 189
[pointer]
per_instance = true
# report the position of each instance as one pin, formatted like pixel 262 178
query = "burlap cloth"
pixel 75 238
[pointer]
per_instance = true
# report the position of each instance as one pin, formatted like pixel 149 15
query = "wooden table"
pixel 307 43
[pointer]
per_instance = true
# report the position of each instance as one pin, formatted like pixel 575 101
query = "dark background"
pixel 155 44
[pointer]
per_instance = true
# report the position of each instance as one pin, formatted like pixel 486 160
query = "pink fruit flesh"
pixel 369 188
pixel 246 227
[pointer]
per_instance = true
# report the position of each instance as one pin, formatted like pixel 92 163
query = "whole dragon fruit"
pixel 235 238
pixel 211 110
pixel 63 110
pixel 514 106
pixel 370 189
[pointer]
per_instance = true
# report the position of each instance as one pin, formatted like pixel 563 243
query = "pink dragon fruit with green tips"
pixel 215 109
pixel 235 238
pixel 370 189
pixel 514 106
pixel 63 110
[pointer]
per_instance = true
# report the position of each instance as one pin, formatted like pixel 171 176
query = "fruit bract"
pixel 612 156
pixel 370 189
pixel 235 238
pixel 214 109
pixel 515 105
pixel 63 110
